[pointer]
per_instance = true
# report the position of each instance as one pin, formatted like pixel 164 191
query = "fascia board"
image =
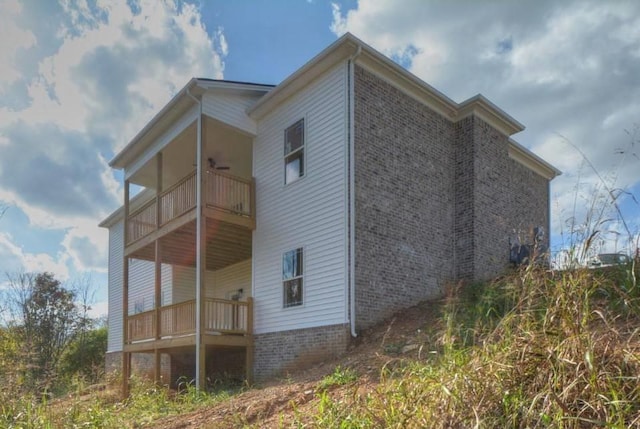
pixel 490 113
pixel 524 156
pixel 337 51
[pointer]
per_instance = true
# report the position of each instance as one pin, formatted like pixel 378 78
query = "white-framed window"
pixel 294 152
pixel 292 277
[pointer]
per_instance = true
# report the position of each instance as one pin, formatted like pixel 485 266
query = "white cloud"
pixel 568 71
pixel 99 309
pixel 12 39
pixel 32 262
pixel 113 65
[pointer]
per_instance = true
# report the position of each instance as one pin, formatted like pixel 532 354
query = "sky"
pixel 78 79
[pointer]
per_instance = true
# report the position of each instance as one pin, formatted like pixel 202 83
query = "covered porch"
pixel 194 227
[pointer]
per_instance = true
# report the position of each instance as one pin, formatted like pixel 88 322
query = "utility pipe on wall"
pixel 199 270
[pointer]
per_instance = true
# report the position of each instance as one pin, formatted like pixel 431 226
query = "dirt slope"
pixel 271 405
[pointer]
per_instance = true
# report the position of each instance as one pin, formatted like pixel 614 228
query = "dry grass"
pixel 532 350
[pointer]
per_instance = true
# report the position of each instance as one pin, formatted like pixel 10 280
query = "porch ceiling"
pixel 227 146
pixel 227 244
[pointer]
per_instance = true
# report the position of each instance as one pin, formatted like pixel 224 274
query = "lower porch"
pixel 225 323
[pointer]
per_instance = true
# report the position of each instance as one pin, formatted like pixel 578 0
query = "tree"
pixel 48 319
pixel 85 355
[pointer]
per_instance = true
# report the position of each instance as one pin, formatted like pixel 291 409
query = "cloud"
pixel 568 71
pixel 77 84
pixel 14 256
pixel 12 39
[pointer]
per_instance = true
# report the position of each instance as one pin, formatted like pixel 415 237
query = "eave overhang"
pixel 178 105
pixel 524 156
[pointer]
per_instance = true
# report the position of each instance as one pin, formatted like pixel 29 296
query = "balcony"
pixel 227 198
pixel 225 322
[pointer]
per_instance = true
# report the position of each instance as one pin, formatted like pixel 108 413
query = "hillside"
pixel 534 349
pixel 401 338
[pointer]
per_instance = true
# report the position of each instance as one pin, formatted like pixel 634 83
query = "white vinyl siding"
pixel 309 213
pixel 218 284
pixel 230 108
pixel 116 249
pixel 142 285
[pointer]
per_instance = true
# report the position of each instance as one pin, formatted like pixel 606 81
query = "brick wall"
pixel 277 353
pixel 404 200
pixel 464 239
pixel 436 201
pixel 509 201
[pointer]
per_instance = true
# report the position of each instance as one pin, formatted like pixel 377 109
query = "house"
pixel 274 223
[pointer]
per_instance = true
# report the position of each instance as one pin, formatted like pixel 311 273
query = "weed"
pixel 340 377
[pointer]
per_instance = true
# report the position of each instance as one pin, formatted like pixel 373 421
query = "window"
pixel 292 278
pixel 294 152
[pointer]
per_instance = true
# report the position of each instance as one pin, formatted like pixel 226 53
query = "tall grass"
pixel 146 404
pixel 535 349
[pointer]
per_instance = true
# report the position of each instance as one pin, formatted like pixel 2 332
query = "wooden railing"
pixel 222 191
pixel 178 319
pixel 178 199
pixel 141 326
pixel 142 222
pixel 231 193
pixel 220 316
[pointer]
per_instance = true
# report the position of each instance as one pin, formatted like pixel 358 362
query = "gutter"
pixel 199 278
pixel 352 204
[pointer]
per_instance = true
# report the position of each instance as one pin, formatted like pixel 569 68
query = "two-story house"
pixel 276 222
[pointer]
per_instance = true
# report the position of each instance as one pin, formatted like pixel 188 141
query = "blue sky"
pixel 79 78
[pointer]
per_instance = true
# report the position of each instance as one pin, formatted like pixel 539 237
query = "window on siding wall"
pixel 292 277
pixel 294 152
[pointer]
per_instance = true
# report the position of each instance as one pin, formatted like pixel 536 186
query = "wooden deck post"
pixel 126 358
pixel 200 255
pixel 249 347
pixel 158 270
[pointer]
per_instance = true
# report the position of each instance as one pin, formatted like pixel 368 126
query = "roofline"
pixel 481 106
pixel 349 45
pixel 116 162
pixel 524 156
pixel 205 84
pixel 343 48
pixel 332 54
pixel 249 85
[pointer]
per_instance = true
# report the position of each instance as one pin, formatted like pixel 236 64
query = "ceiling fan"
pixel 214 166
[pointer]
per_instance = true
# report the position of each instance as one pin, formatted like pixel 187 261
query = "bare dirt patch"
pixel 403 337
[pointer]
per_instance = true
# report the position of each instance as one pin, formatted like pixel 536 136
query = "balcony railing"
pixel 222 191
pixel 221 316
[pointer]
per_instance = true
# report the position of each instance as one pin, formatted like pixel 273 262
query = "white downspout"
pixel 352 203
pixel 199 278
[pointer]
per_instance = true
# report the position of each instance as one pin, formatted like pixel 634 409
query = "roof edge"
pixel 482 107
pixel 202 85
pixel 524 156
pixel 331 55
pixel 117 161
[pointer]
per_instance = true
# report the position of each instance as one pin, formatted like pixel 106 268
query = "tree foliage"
pixel 84 357
pixel 52 335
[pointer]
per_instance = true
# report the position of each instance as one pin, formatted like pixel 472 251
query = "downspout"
pixel 199 278
pixel 352 204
